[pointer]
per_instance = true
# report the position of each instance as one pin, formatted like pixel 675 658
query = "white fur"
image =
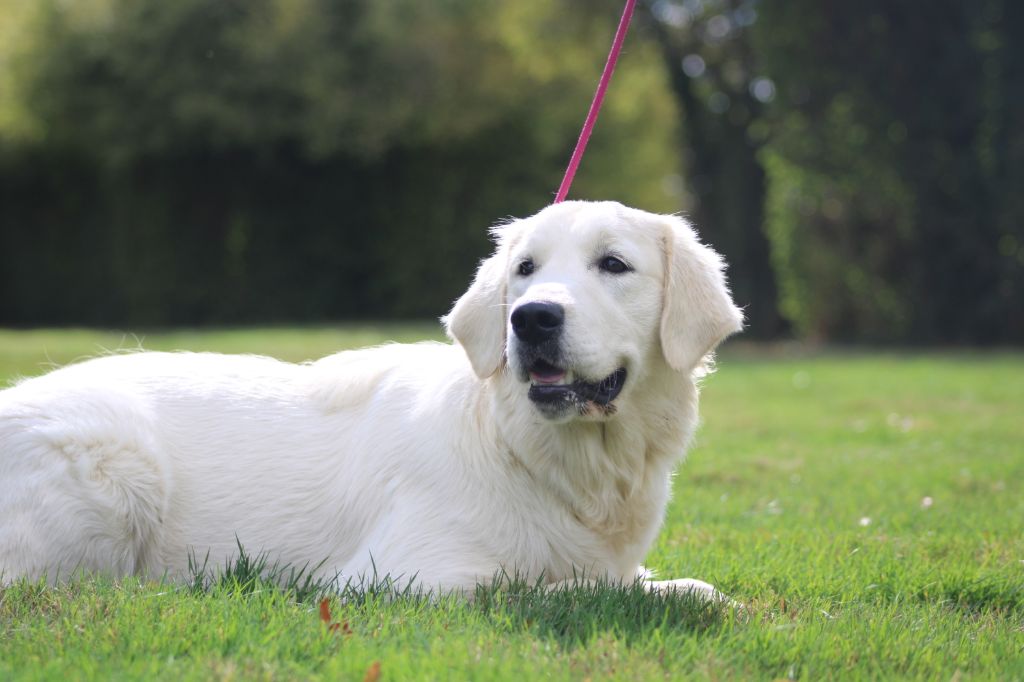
pixel 404 459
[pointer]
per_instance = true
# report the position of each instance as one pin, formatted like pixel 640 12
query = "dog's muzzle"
pixel 537 326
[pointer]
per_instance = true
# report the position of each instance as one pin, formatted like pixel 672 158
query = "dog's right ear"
pixel 477 320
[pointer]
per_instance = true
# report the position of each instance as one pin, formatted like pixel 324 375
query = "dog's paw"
pixel 696 588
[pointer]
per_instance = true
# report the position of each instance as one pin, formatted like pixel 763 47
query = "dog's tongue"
pixel 546 376
pixel 545 373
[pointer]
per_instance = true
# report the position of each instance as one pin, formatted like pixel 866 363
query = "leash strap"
pixel 595 106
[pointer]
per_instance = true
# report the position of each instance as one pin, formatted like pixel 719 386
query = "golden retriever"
pixel 540 443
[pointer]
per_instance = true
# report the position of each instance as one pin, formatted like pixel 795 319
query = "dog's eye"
pixel 526 267
pixel 613 265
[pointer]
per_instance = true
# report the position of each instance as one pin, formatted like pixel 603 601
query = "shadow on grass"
pixel 976 595
pixel 574 613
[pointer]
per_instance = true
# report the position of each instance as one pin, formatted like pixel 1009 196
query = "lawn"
pixel 868 508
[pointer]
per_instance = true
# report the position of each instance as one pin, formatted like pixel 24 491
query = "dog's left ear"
pixel 477 320
pixel 697 312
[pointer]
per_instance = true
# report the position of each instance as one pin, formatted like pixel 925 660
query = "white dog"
pixel 540 443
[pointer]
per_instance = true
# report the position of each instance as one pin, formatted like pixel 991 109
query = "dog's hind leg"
pixel 81 486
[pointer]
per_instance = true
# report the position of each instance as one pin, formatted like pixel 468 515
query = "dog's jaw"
pixel 579 397
pixel 560 390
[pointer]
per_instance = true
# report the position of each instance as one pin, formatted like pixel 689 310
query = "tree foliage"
pixel 226 161
pixel 895 167
pixel 859 164
pixel 875 146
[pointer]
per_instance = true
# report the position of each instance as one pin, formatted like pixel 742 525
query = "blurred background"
pixel 233 162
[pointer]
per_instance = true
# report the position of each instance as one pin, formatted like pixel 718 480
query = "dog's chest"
pixel 601 517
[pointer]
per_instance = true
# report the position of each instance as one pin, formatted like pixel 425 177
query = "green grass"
pixel 868 509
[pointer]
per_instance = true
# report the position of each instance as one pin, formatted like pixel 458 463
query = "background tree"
pixel 721 89
pixel 895 154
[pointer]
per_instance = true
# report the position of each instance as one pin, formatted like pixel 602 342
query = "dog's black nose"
pixel 537 321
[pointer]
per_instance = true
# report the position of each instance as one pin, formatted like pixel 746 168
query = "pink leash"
pixel 595 106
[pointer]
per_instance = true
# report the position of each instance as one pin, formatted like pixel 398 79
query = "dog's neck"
pixel 612 475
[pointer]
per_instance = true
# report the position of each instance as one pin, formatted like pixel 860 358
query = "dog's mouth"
pixel 551 384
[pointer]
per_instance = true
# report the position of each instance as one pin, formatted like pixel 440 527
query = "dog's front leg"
pixel 683 586
pixel 697 588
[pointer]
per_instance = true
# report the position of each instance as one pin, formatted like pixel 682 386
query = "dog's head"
pixel 583 301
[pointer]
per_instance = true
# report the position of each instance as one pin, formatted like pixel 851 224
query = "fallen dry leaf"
pixel 325 616
pixel 373 672
pixel 325 611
